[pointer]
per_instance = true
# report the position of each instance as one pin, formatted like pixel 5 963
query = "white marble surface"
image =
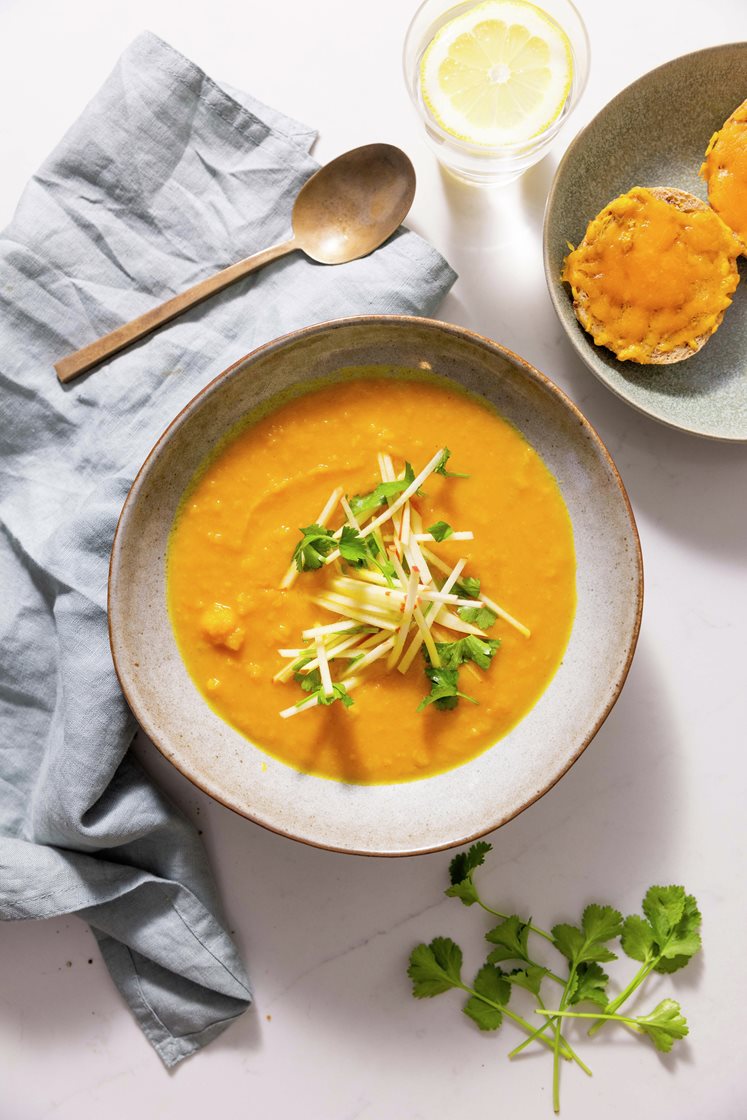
pixel 659 796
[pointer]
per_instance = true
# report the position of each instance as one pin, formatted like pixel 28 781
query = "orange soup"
pixel 236 531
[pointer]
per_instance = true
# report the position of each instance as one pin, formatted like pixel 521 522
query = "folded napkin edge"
pixel 171 1048
pixel 289 128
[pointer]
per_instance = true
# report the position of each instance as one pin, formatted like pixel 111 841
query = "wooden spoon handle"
pixel 72 365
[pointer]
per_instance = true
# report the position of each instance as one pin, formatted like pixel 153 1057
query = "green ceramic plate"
pixel 654 134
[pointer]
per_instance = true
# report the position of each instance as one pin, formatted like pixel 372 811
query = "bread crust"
pixel 710 171
pixel 686 202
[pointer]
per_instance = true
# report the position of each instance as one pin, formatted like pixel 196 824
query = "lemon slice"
pixel 499 73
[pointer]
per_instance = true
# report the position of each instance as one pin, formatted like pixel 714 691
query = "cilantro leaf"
pixel 382 562
pixel 664 907
pixel 464 864
pixel 487 1018
pixel 529 978
pixel 638 938
pixel 669 934
pixel 684 941
pixel 440 530
pixel 601 923
pixel 309 682
pixel 511 938
pixel 444 691
pixel 568 940
pixel 435 968
pixel 359 551
pixel 339 692
pixel 673 964
pixel 664 1025
pixel 441 468
pixel 312 683
pixel 471 648
pixel 353 547
pixel 362 504
pixel 491 985
pixel 316 543
pixel 478 616
pixel 590 983
pixel 461 870
pixel 467 588
pixel 466 891
pixel 676 943
pixel 598 924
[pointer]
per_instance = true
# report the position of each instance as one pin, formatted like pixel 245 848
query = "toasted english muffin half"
pixel 724 169
pixel 653 276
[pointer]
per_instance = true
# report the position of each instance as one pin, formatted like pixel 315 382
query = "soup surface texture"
pixel 239 523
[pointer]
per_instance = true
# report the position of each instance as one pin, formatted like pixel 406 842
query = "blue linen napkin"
pixel 165 178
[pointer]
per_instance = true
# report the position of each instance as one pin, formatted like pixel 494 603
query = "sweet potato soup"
pixel 332 563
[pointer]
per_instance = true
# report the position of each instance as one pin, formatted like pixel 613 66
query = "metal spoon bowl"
pixel 353 204
pixel 344 211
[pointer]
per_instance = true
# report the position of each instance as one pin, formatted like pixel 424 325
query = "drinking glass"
pixel 480 163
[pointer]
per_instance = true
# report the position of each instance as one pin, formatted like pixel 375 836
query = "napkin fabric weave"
pixel 165 178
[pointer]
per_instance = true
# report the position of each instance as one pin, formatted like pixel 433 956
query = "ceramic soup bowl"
pixel 434 812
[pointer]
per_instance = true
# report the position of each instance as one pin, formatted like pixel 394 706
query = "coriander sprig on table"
pixel 393 594
pixel 663 941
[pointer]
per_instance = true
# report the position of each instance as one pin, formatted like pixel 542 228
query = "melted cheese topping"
pixel 725 171
pixel 650 277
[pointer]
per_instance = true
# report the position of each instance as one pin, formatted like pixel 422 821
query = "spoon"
pixel 344 211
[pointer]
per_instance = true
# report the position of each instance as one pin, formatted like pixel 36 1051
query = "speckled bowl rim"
pixel 579 341
pixel 533 374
